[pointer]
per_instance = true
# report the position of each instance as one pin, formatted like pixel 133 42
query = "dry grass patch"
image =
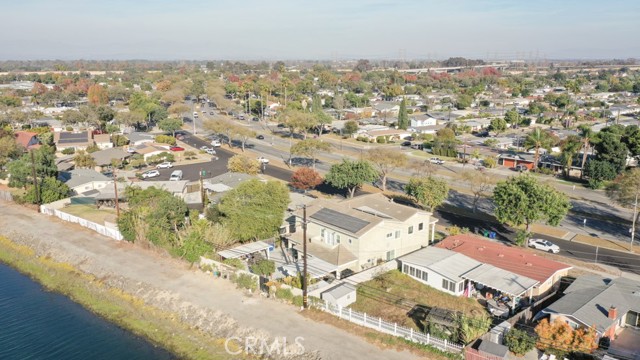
pixel 548 230
pixel 392 294
pixel 89 212
pixel 604 243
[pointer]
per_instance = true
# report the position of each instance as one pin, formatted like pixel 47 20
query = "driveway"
pixel 627 345
pixel 104 257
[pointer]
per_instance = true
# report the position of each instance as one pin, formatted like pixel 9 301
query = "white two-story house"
pixel 360 232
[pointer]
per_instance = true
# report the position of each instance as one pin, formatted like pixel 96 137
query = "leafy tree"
pixel 631 138
pixel 512 117
pixel 479 185
pixel 489 162
pixel 612 150
pixel 625 190
pixel 350 128
pixel 9 148
pixel 298 121
pixel 403 118
pixel 560 338
pixel 569 148
pixel 310 148
pixel 264 267
pixel 599 171
pixel 254 209
pixel 202 238
pixel 165 139
pixel 445 143
pixel 242 164
pixel 351 175
pixel 519 341
pixel 119 140
pixel 538 139
pixel 463 101
pixel 243 134
pixel 50 189
pixel 586 133
pixel 321 118
pixel 170 125
pixel 498 125
pixel 429 192
pixel 305 179
pixel 97 95
pixel 84 160
pixel 386 161
pixel 523 200
pixel 45 164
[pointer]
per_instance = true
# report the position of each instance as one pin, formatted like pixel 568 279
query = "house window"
pixel 391 255
pixel 390 235
pixel 337 238
pixel 425 276
pixel 445 284
pixel 461 287
pixel 410 230
pixel 452 286
pixel 448 285
pixel 405 269
pixel 420 226
pixel 397 234
pixel 418 273
pixel 412 271
pixel 322 231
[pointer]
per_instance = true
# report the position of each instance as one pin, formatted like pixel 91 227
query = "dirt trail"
pixel 164 281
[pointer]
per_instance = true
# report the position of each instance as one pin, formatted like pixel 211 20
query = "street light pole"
pixel 633 226
pixel 305 300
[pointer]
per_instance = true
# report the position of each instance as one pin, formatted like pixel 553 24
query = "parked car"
pixel 406 143
pixel 256 118
pixel 521 168
pixel 210 151
pixel 544 245
pixel 211 113
pixel 204 148
pixel 436 161
pixel 176 175
pixel 216 143
pixel 260 137
pixel 164 165
pixel 176 148
pixel 150 174
pixel 263 160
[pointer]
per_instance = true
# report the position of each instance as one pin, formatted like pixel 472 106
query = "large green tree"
pixel 403 117
pixel 310 148
pixel 21 169
pixel 351 175
pixel 170 125
pixel 255 209
pixel 498 125
pixel 625 190
pixel 50 189
pixel 429 192
pixel 523 200
pixel 611 149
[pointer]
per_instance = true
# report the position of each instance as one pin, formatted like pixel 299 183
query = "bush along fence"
pixel 386 327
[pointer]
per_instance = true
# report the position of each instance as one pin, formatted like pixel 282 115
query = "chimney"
pixel 613 312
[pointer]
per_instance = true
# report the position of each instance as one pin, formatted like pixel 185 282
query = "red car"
pixel 176 148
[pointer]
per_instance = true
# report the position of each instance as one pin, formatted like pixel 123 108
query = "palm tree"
pixel 587 135
pixel 537 139
pixel 569 147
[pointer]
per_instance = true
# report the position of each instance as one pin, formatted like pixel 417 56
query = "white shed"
pixel 341 295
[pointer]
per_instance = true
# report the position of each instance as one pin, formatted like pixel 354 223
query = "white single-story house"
pixel 83 180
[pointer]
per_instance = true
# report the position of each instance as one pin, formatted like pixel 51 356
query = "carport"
pixel 245 250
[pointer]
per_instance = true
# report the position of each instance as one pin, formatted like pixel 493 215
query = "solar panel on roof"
pixel 340 220
pixel 68 138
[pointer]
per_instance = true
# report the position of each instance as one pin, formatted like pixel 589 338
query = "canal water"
pixel 36 324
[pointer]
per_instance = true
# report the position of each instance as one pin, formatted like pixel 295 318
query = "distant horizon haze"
pixel 170 30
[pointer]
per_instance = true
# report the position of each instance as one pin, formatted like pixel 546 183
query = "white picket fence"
pixel 387 327
pixel 100 229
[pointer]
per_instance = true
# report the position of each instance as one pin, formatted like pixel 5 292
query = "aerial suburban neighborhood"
pixel 476 208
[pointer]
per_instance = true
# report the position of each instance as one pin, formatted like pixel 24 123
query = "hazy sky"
pixel 320 29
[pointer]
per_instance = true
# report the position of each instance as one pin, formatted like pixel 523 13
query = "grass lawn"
pixel 391 295
pixel 90 213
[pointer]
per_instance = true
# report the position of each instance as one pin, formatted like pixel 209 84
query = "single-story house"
pixel 429 129
pixel 83 180
pixel 510 160
pixel 149 150
pixel 458 274
pixel 386 108
pixel 138 138
pixel 359 232
pixel 591 300
pixel 103 141
pixel 176 188
pixel 77 140
pixel 388 133
pixel 103 157
pixel 422 120
pixel 511 258
pixel 28 140
pixel 217 186
pixel 341 295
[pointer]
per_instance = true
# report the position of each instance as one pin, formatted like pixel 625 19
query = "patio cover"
pixel 316 267
pixel 499 279
pixel 245 249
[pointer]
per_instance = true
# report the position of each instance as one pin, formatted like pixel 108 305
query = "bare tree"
pixel 386 161
pixel 480 185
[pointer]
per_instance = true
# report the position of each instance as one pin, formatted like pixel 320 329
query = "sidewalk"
pixel 584 239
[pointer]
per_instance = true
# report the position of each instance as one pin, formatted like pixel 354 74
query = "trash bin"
pixel 485 233
pixel 492 235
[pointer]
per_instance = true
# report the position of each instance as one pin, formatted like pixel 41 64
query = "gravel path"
pixel 184 287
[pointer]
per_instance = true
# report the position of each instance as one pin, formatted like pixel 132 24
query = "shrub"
pixel 190 155
pixel 68 151
pixel 263 267
pixel 69 128
pixel 521 237
pixel 246 281
pixel 489 162
pixel 284 294
pixel 297 300
pixel 166 139
pixel 92 148
pixel 236 263
pixel 519 341
pixel 381 139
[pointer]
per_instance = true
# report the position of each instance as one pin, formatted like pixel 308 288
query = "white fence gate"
pixel 387 327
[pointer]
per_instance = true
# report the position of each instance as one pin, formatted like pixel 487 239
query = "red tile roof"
pixel 23 138
pixel 510 258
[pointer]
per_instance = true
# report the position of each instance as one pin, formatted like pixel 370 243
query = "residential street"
pixel 106 258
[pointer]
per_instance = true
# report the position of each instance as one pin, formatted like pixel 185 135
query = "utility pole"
pixel 305 300
pixel 35 180
pixel 201 188
pixel 115 190
pixel 633 226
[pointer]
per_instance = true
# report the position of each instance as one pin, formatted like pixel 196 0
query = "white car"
pixel 216 143
pixel 436 161
pixel 544 245
pixel 263 160
pixel 210 151
pixel 164 165
pixel 150 174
